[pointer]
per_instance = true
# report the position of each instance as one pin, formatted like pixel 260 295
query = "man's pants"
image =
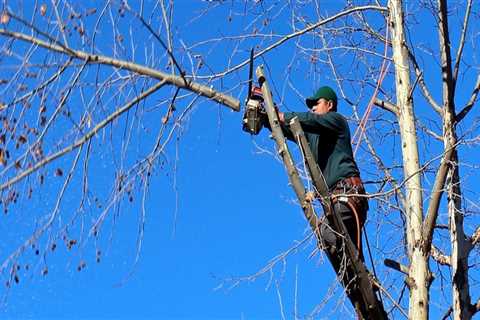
pixel 331 238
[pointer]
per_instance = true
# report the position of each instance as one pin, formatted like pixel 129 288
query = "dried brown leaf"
pixel 5 17
pixel 43 10
pixel 3 159
pixel 22 139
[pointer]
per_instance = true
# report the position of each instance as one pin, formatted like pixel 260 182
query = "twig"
pixel 178 81
pixel 82 140
pixel 296 34
pixel 462 41
pixel 470 103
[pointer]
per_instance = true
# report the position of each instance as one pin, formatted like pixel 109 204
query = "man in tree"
pixel 328 135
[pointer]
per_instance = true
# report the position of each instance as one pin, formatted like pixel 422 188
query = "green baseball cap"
pixel 323 92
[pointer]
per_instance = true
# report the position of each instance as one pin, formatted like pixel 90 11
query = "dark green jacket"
pixel 329 139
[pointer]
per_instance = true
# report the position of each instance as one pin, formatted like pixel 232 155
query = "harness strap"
pixel 350 186
pixel 348 201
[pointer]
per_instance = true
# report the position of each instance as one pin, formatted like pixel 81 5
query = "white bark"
pixel 419 269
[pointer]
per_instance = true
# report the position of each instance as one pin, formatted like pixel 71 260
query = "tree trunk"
pixel 419 273
pixel 460 246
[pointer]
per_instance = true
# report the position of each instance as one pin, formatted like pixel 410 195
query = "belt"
pixel 352 185
pixel 350 182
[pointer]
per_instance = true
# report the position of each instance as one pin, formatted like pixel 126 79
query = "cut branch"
pixel 387 106
pixel 396 266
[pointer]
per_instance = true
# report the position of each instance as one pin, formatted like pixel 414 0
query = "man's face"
pixel 323 106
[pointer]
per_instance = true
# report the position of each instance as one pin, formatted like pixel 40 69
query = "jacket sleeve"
pixel 315 123
pixel 286 129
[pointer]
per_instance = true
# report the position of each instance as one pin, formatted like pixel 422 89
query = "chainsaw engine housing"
pixel 252 121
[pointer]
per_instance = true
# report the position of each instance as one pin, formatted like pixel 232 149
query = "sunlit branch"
pixel 421 81
pixel 440 257
pixel 297 34
pixel 475 239
pixel 462 41
pixel 386 106
pixel 99 59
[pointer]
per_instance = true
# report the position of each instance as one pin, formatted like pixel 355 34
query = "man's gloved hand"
pixel 310 196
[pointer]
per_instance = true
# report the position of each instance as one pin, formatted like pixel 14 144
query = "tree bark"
pixel 460 246
pixel 459 243
pixel 419 273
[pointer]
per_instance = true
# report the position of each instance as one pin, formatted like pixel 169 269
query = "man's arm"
pixel 285 128
pixel 313 123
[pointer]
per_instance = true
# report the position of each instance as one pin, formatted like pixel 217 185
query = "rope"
pixel 357 220
pixel 371 259
pixel 363 122
pixel 361 129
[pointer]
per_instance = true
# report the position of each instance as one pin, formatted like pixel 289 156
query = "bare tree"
pixel 81 91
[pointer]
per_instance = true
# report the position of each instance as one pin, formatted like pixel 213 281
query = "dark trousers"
pixel 332 239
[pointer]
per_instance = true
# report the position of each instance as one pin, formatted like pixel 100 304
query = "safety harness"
pixel 344 192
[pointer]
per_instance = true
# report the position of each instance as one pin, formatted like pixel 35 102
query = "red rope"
pixel 360 131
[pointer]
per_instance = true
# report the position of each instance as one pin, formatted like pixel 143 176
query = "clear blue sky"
pixel 224 213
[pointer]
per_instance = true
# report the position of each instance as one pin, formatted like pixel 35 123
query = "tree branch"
pixel 470 103
pixel 462 41
pixel 82 140
pixel 475 307
pixel 386 106
pixel 423 86
pixel 475 239
pixel 296 34
pixel 440 257
pixel 448 125
pixel 178 81
pixel 396 266
pixel 436 195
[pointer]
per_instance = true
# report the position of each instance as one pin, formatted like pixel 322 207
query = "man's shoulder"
pixel 337 117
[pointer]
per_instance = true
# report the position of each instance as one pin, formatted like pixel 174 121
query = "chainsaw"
pixel 254 109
